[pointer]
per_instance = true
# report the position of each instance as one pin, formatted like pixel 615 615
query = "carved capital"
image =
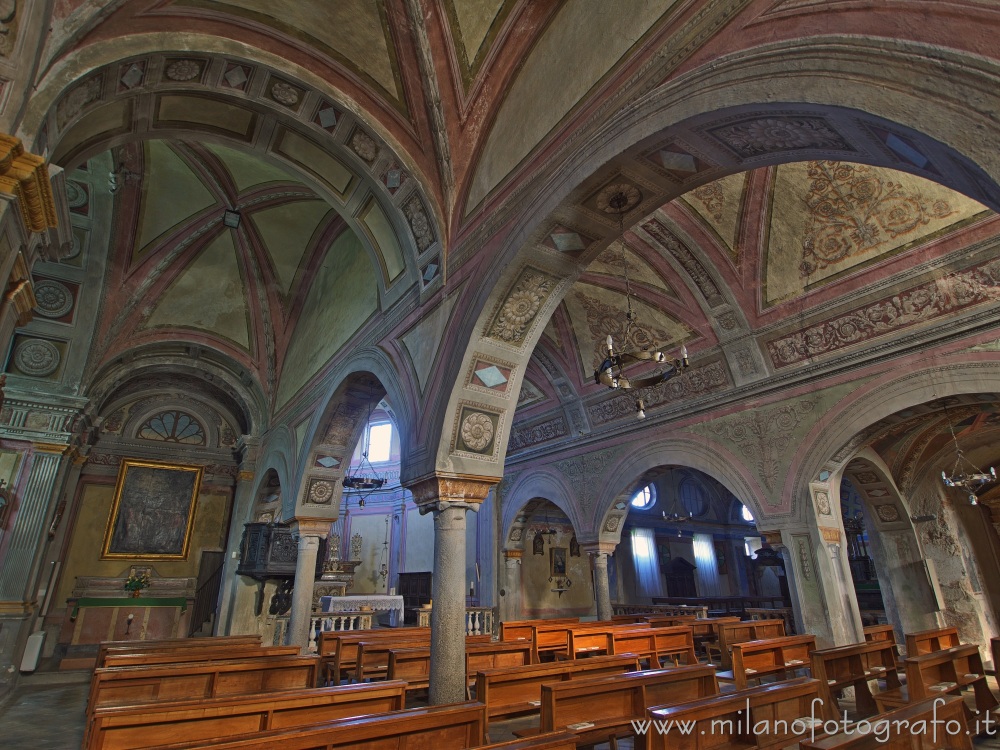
pixel 598 548
pixel 25 177
pixel 513 554
pixel 773 539
pixel 50 448
pixel 441 490
pixel 306 526
pixel 829 534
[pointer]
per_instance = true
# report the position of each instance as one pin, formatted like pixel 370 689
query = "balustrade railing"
pixel 665 610
pixel 326 622
pixel 478 620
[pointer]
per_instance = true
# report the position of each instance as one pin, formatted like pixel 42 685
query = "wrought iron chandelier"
pixel 964 473
pixel 618 368
pixel 360 481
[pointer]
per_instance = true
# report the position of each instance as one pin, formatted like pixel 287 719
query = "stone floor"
pixel 46 712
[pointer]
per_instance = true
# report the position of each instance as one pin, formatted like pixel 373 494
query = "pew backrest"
pixel 172 644
pixel 731 633
pixel 936 639
pixel 854 666
pixel 131 727
pixel 772 656
pixel 175 656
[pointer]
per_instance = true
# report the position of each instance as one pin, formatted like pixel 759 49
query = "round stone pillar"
pixel 602 587
pixel 449 498
pixel 510 600
pixel 309 533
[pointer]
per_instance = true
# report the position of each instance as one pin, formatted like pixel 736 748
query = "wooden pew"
pixel 600 708
pixel 880 633
pixel 373 656
pixel 894 730
pixel 939 673
pixel 450 727
pixel 554 640
pixel 131 727
pixel 856 665
pixel 731 633
pixel 722 722
pixel 413 665
pixel 653 645
pixel 513 629
pixel 706 632
pixel 995 653
pixel 116 686
pixel 174 656
pixel 925 641
pixel 516 690
pixel 753 660
pixel 338 650
pixel 170 644
pixel 669 621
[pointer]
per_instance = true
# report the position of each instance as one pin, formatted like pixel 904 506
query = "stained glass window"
pixel 173 426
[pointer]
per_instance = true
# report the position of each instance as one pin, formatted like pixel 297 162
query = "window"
pixel 379 442
pixel 746 515
pixel 644 498
pixel 173 427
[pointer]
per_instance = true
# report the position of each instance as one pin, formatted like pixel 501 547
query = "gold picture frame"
pixel 153 511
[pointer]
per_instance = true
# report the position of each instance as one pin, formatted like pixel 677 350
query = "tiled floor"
pixel 46 712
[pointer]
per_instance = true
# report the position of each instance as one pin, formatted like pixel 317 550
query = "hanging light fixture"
pixel 615 371
pixel 360 481
pixel 964 473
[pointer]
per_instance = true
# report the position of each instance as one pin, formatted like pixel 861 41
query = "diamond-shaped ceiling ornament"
pixel 677 161
pixel 328 462
pixel 236 77
pixel 491 376
pixel 567 240
pixel 133 77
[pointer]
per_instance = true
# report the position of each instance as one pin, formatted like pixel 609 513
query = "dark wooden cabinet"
pixel 415 588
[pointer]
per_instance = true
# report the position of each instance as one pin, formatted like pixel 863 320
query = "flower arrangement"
pixel 136 582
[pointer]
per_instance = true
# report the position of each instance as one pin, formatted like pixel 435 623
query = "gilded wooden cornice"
pixel 25 177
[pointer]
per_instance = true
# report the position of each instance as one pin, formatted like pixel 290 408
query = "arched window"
pixel 173 426
pixel 746 515
pixel 644 498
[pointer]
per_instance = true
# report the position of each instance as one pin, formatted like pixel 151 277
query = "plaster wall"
pixel 83 557
pixel 537 596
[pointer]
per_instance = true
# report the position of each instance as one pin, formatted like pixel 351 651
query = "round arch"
pixel 625 477
pixel 544 483
pixel 704 115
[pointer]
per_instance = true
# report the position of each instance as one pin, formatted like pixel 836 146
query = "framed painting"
pixel 153 511
pixel 557 561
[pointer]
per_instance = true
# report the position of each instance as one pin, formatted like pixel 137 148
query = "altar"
pixel 376 602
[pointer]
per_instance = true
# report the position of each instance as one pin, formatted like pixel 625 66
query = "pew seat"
pixel 772 657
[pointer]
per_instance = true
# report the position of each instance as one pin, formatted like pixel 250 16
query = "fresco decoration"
pixel 719 208
pixel 852 209
pixel 611 263
pixel 153 511
pixel 778 133
pixel 920 304
pixel 828 218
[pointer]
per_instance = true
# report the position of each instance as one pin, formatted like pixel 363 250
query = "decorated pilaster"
pixel 236 597
pixel 599 553
pixel 821 583
pixel 309 531
pixel 449 498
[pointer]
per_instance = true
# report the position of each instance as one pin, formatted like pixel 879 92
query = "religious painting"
pixel 557 561
pixel 153 511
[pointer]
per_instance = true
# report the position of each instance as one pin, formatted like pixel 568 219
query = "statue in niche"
pixel 574 547
pixel 356 542
pixel 538 545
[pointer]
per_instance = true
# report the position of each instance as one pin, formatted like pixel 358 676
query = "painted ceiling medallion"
pixel 609 200
pixel 183 70
pixel 477 431
pixel 54 299
pixel 76 194
pixel 37 357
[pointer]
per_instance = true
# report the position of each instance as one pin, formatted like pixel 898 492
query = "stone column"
pixel 309 532
pixel 602 588
pixel 236 596
pixel 449 498
pixel 510 598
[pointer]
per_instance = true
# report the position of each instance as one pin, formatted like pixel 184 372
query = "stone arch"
pixel 705 106
pixel 337 426
pixel 321 136
pixel 627 475
pixel 545 484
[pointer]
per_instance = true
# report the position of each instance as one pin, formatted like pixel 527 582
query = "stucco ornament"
pixel 320 492
pixel 37 357
pixel 477 431
pixel 887 512
pixel 284 93
pixel 769 134
pixel 609 199
pixel 421 227
pixel 54 299
pixel 364 146
pixel 76 196
pixel 183 70
pixel 521 307
pixel 823 503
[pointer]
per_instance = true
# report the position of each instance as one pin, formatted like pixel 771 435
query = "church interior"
pixel 504 332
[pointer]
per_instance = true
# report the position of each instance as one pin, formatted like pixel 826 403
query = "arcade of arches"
pixel 252 248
